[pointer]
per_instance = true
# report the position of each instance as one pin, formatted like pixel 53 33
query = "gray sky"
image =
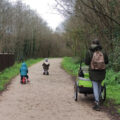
pixel 46 10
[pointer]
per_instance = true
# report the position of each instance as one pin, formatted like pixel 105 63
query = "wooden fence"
pixel 6 60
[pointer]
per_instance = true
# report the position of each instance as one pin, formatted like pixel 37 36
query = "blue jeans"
pixel 96 90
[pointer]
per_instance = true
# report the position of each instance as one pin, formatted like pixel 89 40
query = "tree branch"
pixel 99 12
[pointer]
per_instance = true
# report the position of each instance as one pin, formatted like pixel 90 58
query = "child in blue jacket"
pixel 24 71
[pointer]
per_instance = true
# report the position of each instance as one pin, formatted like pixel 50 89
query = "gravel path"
pixel 46 98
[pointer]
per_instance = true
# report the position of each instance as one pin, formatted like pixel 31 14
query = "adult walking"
pixel 96 59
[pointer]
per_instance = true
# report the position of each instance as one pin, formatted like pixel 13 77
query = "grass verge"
pixel 112 81
pixel 70 65
pixel 9 73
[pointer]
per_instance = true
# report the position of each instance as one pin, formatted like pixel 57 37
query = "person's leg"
pixel 99 89
pixel 21 79
pixel 96 95
pixel 95 91
pixel 27 78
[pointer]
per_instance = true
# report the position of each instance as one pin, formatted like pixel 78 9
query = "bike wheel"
pixel 75 92
pixel 24 80
pixel 103 93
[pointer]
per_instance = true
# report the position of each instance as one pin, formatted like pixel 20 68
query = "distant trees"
pixel 25 33
pixel 88 19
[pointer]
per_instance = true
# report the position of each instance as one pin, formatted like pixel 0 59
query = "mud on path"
pixel 46 98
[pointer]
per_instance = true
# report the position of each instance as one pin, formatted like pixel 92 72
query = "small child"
pixel 24 71
pixel 46 66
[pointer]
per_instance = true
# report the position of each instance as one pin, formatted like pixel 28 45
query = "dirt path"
pixel 46 98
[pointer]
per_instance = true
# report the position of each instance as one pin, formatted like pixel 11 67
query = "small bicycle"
pixel 45 72
pixel 24 80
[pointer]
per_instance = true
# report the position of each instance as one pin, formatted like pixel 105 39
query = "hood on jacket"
pixel 95 47
pixel 24 65
pixel 46 59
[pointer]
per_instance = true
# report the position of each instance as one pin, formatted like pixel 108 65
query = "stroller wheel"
pixel 75 92
pixel 103 94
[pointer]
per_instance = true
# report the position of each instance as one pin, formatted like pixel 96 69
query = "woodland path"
pixel 46 98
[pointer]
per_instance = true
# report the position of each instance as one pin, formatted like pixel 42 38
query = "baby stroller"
pixel 83 85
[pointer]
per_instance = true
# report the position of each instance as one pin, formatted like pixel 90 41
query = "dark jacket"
pixel 45 65
pixel 95 75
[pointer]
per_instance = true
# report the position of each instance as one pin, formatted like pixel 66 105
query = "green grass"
pixel 9 73
pixel 118 111
pixel 112 80
pixel 113 93
pixel 113 86
pixel 70 65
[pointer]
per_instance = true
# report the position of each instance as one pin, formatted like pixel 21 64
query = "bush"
pixel 114 57
pixel 112 77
